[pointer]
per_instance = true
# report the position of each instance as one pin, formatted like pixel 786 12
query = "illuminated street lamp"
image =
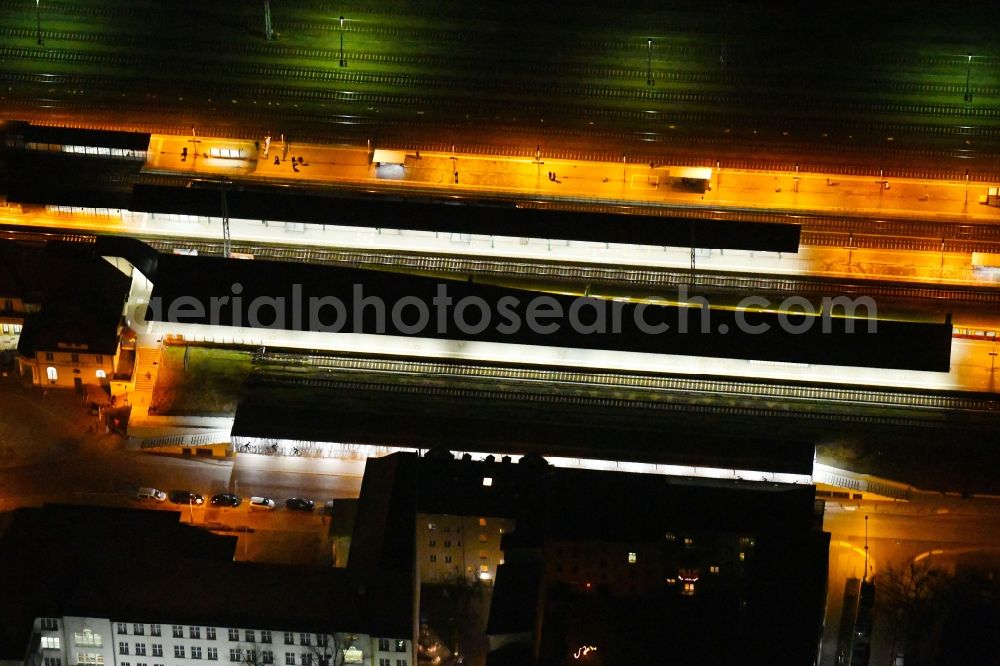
pixel 865 577
pixel 343 63
pixel 968 74
pixel 649 62
pixel 38 20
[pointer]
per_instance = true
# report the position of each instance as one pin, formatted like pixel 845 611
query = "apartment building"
pixel 92 641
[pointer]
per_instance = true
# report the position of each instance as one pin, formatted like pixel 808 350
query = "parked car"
pixel 226 499
pixel 151 495
pixel 299 504
pixel 261 504
pixel 186 497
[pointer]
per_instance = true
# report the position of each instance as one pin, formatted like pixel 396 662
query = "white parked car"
pixel 151 495
pixel 261 504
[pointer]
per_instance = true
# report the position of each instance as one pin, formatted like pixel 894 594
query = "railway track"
pixel 592 92
pixel 538 377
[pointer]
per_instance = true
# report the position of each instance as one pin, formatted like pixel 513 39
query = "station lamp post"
pixel 343 63
pixel 968 74
pixel 649 62
pixel 38 21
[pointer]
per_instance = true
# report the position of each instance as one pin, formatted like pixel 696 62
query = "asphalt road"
pixel 936 528
pixel 50 451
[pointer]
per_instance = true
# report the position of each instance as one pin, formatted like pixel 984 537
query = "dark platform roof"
pixel 759 336
pixel 146 566
pixel 82 300
pixel 71 136
pixel 356 416
pixel 66 179
pixel 298 205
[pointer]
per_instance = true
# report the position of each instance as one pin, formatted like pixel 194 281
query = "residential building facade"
pixel 89 641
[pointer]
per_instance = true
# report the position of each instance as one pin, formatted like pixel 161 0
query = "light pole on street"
pixel 865 577
pixel 343 63
pixel 38 21
pixel 968 75
pixel 649 62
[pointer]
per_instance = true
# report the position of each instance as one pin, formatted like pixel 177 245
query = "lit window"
pixel 671 581
pixel 51 373
pixel 487 481
pixel 670 536
pixel 689 542
pixel 688 589
pixel 87 638
pixel 713 569
pixel 431 526
pixel 743 556
pixel 50 642
pixel 101 374
pixel 631 558
pixel 482 522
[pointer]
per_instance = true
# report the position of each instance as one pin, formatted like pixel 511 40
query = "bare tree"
pixel 254 654
pixel 910 598
pixel 329 650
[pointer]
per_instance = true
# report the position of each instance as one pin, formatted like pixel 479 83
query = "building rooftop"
pixel 82 297
pixel 146 566
pixel 560 503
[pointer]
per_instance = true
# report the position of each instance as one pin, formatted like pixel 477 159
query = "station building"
pixel 63 308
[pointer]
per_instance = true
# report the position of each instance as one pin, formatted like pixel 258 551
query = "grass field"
pixel 211 385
